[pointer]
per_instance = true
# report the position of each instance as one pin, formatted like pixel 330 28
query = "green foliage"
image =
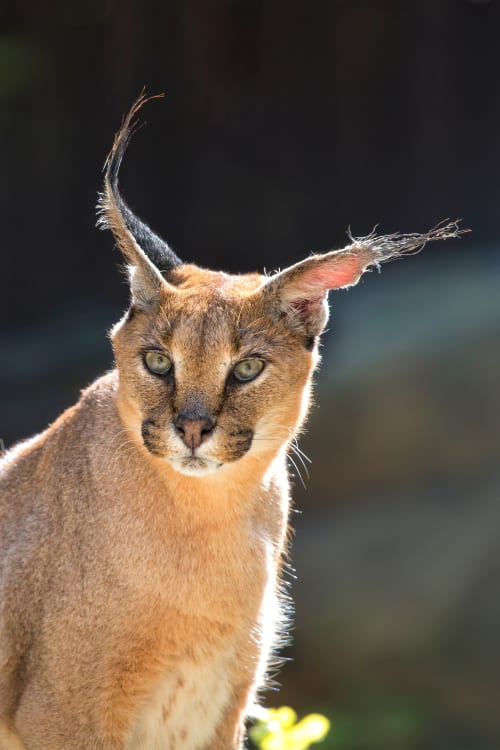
pixel 278 729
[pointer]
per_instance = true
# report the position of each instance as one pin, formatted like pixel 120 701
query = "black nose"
pixel 194 429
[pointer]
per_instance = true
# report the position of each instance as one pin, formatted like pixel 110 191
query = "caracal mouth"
pixel 195 466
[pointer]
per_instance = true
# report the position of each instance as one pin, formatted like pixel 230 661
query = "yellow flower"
pixel 278 729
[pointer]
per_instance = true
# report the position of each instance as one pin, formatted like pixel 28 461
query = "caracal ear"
pixel 300 292
pixel 149 258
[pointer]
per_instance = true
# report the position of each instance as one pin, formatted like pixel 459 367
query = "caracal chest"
pixel 212 599
pixel 184 708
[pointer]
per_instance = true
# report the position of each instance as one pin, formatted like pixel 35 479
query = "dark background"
pixel 283 124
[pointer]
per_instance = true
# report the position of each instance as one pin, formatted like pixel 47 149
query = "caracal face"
pixel 226 362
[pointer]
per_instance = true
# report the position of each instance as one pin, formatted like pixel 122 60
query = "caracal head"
pixel 215 369
pixel 213 372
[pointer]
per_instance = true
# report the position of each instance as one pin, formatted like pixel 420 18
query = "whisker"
pixel 293 447
pixel 298 471
pixel 283 435
pixel 304 455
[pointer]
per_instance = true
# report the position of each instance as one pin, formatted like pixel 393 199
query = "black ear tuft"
pixel 156 249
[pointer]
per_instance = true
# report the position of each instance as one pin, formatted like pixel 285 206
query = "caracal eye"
pixel 157 362
pixel 248 369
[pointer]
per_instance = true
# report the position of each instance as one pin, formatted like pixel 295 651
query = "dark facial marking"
pixel 240 442
pixel 310 343
pixel 149 438
pixel 130 314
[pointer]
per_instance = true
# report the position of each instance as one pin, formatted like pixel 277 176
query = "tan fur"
pixel 139 582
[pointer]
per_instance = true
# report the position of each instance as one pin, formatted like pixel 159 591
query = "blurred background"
pixel 283 124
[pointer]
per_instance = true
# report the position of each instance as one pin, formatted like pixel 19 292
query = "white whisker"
pixel 294 449
pixel 298 471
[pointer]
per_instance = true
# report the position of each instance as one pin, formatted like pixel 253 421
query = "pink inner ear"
pixel 340 272
pixel 306 290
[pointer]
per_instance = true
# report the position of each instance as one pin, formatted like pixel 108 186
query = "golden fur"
pixel 140 572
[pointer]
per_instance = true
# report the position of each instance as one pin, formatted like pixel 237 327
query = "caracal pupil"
pixel 142 534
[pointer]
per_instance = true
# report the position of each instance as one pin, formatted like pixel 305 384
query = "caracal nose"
pixel 193 430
